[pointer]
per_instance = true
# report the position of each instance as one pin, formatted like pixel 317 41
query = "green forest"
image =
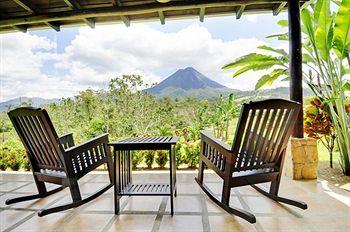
pixel 124 110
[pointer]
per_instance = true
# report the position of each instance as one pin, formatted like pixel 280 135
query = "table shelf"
pixel 146 189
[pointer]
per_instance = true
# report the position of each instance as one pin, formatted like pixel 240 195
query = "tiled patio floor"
pixel 329 207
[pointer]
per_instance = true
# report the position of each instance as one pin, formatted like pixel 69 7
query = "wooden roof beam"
pixel 278 8
pixel 161 17
pixel 74 5
pixel 26 5
pixel 126 11
pixel 21 28
pixel 201 14
pixel 239 12
pixel 32 9
pixel 90 22
pixel 124 18
pixel 54 25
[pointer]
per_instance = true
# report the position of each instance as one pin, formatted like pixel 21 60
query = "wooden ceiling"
pixel 23 15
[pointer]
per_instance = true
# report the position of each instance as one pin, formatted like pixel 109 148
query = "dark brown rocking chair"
pixel 55 159
pixel 257 153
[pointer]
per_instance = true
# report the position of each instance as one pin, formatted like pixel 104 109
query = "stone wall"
pixel 301 159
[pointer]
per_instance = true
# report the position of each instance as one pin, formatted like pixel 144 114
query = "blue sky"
pixel 74 59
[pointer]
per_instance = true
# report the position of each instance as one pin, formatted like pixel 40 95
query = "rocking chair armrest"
pixel 216 143
pixel 90 144
pixel 67 140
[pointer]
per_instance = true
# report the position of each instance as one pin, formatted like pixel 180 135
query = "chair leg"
pixel 74 190
pixel 274 197
pixel 226 191
pixel 110 170
pixel 232 210
pixel 32 197
pixel 201 171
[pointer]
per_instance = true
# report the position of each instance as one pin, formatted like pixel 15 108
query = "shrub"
pixel 180 150
pixel 162 158
pixel 137 158
pixel 149 158
pixel 12 156
pixel 192 153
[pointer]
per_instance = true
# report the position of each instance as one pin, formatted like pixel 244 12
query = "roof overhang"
pixel 23 15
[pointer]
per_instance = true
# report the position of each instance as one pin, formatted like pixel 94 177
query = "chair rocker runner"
pixel 56 159
pixel 256 156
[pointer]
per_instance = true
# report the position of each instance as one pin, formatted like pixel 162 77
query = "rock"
pixel 301 159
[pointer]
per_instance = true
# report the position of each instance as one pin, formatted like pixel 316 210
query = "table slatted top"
pixel 144 142
pixel 148 140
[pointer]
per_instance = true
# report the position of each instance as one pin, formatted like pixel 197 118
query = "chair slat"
pixel 242 152
pixel 260 137
pixel 253 137
pixel 35 142
pixel 271 135
pixel 44 140
pixel 27 140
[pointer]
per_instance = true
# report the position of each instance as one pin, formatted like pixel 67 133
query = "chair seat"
pixel 55 173
pixel 253 172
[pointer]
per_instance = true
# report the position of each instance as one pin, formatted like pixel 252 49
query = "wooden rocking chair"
pixel 55 159
pixel 257 153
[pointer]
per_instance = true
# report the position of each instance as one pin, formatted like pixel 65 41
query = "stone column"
pixel 301 159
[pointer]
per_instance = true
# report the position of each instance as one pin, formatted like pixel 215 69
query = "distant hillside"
pixel 189 82
pixel 36 101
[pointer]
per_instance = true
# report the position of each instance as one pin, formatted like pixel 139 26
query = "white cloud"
pixel 93 57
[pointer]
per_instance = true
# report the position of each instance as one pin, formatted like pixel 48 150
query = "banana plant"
pixel 326 61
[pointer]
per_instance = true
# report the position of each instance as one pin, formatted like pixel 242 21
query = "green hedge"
pixel 13 156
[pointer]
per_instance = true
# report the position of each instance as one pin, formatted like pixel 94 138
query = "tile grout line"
pixel 205 216
pixel 245 206
pixel 111 221
pixel 20 222
pixel 159 217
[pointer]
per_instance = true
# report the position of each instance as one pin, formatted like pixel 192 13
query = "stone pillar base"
pixel 301 159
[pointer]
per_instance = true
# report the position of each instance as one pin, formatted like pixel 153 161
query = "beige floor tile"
pixel 11 217
pixel 142 203
pixel 185 204
pixel 214 208
pixel 330 223
pixel 102 203
pixel 188 188
pixel 50 222
pixel 263 204
pixel 285 224
pixel 228 223
pixel 181 223
pixel 135 223
pixel 87 222
pixel 10 186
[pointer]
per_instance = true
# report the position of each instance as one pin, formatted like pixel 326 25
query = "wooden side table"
pixel 123 169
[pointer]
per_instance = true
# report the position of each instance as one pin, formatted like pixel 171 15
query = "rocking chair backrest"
pixel 263 131
pixel 39 137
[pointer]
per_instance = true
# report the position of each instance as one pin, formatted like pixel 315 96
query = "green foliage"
pixel 326 56
pixel 123 110
pixel 12 156
pixel 162 158
pixel 192 151
pixel 149 158
pixel 137 158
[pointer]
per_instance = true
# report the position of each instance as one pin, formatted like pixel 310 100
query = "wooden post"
pixel 295 65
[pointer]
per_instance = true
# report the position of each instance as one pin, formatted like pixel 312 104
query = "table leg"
pixel 116 183
pixel 171 182
pixel 174 170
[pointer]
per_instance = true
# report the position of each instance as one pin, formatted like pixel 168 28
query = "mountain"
pixel 188 82
pixel 36 101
